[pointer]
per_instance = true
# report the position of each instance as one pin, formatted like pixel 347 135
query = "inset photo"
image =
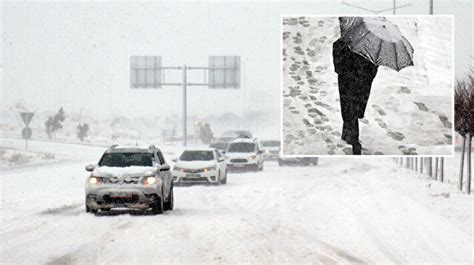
pixel 369 85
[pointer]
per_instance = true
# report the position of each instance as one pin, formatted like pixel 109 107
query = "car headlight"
pixel 150 180
pixel 267 151
pixel 94 180
pixel 252 157
pixel 175 168
pixel 209 168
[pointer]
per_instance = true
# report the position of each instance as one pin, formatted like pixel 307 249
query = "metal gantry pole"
pixel 184 83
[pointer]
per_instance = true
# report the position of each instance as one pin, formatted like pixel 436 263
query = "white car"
pixel 271 149
pixel 203 165
pixel 244 154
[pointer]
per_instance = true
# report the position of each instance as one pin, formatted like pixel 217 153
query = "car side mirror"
pixel 220 159
pixel 223 152
pixel 165 167
pixel 260 152
pixel 174 159
pixel 90 167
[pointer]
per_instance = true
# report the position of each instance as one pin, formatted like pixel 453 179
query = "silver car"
pixel 130 177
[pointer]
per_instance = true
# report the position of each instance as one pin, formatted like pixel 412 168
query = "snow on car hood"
pixel 195 164
pixel 239 155
pixel 133 171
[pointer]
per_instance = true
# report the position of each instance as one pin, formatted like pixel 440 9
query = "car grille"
pixel 120 180
pixel 238 160
pixel 188 170
pixel 200 179
pixel 133 199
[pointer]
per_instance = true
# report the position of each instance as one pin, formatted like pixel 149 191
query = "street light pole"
pixel 431 7
pixel 185 131
pixel 394 7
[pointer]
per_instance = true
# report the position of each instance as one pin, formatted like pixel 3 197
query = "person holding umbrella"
pixel 365 43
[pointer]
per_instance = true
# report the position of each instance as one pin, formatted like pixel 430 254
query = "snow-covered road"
pixel 352 210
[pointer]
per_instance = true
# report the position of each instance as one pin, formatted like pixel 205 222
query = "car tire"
pixel 157 206
pixel 89 210
pixel 261 168
pixel 257 168
pixel 224 180
pixel 168 205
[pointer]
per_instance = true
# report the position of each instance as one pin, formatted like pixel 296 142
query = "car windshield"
pixel 241 148
pixel 127 160
pixel 196 156
pixel 271 143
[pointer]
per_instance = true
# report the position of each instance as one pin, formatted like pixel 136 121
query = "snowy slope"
pixel 409 112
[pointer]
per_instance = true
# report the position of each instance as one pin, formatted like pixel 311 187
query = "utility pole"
pixel 219 68
pixel 185 118
pixel 431 7
pixel 394 7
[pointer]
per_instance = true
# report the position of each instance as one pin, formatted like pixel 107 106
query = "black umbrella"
pixel 378 40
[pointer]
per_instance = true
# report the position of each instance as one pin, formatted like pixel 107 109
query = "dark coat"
pixel 355 76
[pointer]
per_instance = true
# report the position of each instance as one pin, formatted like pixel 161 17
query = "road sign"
pixel 224 72
pixel 26 117
pixel 26 133
pixel 145 72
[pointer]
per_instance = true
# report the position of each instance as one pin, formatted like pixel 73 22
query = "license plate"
pixel 193 175
pixel 121 195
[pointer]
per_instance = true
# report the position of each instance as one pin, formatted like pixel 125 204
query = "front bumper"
pixel 180 177
pixel 114 197
pixel 270 156
pixel 242 166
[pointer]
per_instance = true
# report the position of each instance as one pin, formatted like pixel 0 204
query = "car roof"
pixel 244 140
pixel 199 149
pixel 131 149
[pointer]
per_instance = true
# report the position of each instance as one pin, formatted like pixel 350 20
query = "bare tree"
pixel 464 121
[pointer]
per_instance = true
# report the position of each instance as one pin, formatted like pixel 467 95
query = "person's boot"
pixel 344 134
pixel 356 149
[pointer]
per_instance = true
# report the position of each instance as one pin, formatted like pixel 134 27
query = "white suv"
pixel 244 154
pixel 130 177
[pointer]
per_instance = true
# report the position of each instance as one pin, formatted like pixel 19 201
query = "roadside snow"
pixel 354 210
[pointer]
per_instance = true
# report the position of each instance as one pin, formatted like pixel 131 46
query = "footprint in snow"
pixel 382 124
pixel 379 110
pixel 445 121
pixel 307 123
pixel 404 90
pixel 364 121
pixel 347 150
pixel 396 135
pixel 324 105
pixel 315 110
pixel 421 106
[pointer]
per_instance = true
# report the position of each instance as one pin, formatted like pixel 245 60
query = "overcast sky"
pixel 76 55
